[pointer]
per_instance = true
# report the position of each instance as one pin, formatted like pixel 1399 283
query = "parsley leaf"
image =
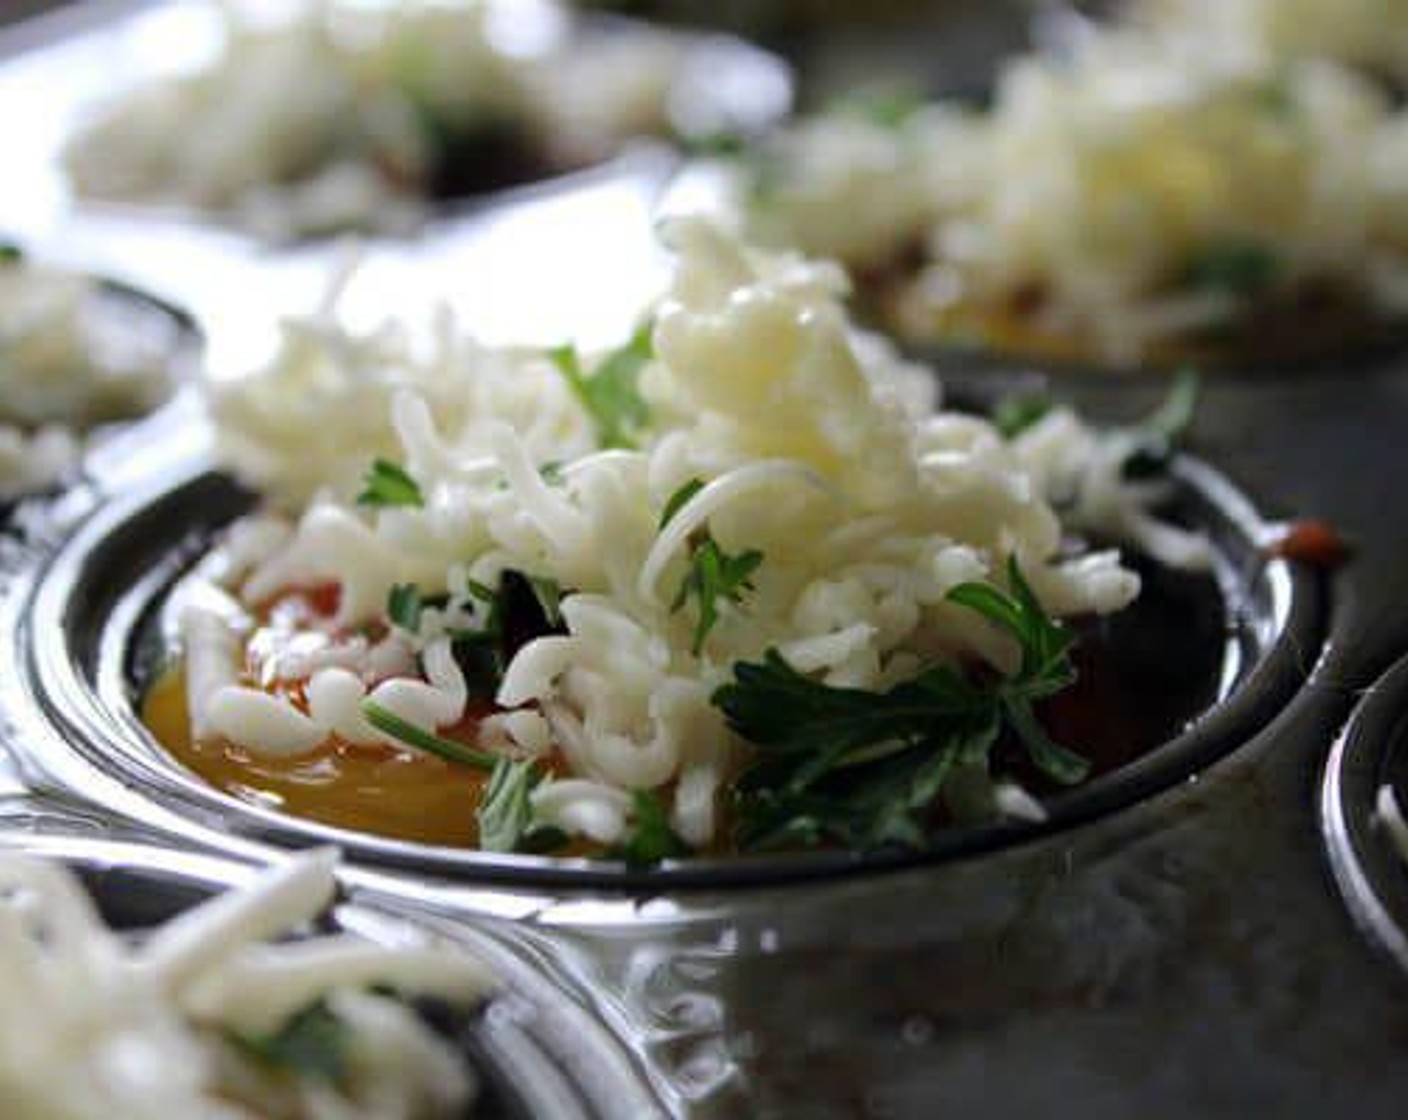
pixel 505 814
pixel 404 605
pixel 1017 412
pixel 1240 267
pixel 891 108
pixel 387 484
pixel 610 394
pixel 389 723
pixel 718 144
pixel 551 473
pixel 313 1043
pixel 10 253
pixel 714 575
pixel 678 499
pixel 548 593
pixel 865 768
pixel 651 838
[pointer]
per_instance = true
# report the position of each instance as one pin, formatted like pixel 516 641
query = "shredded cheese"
pixel 70 359
pixel 812 444
pixel 341 115
pixel 99 1025
pixel 1137 191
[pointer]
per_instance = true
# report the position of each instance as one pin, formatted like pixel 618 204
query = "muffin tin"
pixel 524 1043
pixel 1212 932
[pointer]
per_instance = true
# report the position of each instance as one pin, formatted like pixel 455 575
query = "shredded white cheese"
pixel 71 357
pixel 1372 34
pixel 340 115
pixel 96 1025
pixel 816 446
pixel 1102 193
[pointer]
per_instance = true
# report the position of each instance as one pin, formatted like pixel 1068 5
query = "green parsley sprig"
pixel 505 814
pixel 389 723
pixel 314 1043
pixel 713 574
pixel 611 393
pixel 650 839
pixel 865 768
pixel 386 484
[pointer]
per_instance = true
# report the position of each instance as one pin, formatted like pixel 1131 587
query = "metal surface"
pixel 527 1044
pixel 1189 955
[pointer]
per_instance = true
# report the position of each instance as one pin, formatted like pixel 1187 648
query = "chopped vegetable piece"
pixel 864 768
pixel 389 723
pixel 1241 268
pixel 714 575
pixel 388 484
pixel 313 1043
pixel 611 395
pixel 1016 413
pixel 651 838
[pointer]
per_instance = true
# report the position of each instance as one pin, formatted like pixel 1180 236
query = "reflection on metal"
pixel 1371 753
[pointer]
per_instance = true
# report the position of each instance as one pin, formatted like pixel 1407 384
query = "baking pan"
pixel 1214 939
pixel 534 1052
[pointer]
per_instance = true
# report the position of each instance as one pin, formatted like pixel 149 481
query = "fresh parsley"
pixel 10 253
pixel 1240 267
pixel 1017 412
pixel 713 574
pixel 718 144
pixel 548 593
pixel 505 814
pixel 521 608
pixel 313 1043
pixel 679 499
pixel 404 606
pixel 389 723
pixel 611 393
pixel 890 108
pixel 387 484
pixel 865 768
pixel 551 473
pixel 651 839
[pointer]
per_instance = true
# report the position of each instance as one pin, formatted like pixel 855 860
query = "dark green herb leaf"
pixel 387 484
pixel 551 473
pixel 714 575
pixel 1045 644
pixel 548 592
pixel 1240 267
pixel 1016 413
pixel 313 1044
pixel 678 499
pixel 10 253
pixel 651 838
pixel 389 723
pixel 864 768
pixel 611 395
pixel 404 606
pixel 721 144
pixel 1052 759
pixel 506 814
pixel 888 108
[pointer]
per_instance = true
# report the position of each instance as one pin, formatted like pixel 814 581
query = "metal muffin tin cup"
pixel 535 1050
pixel 83 664
pixel 1371 752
